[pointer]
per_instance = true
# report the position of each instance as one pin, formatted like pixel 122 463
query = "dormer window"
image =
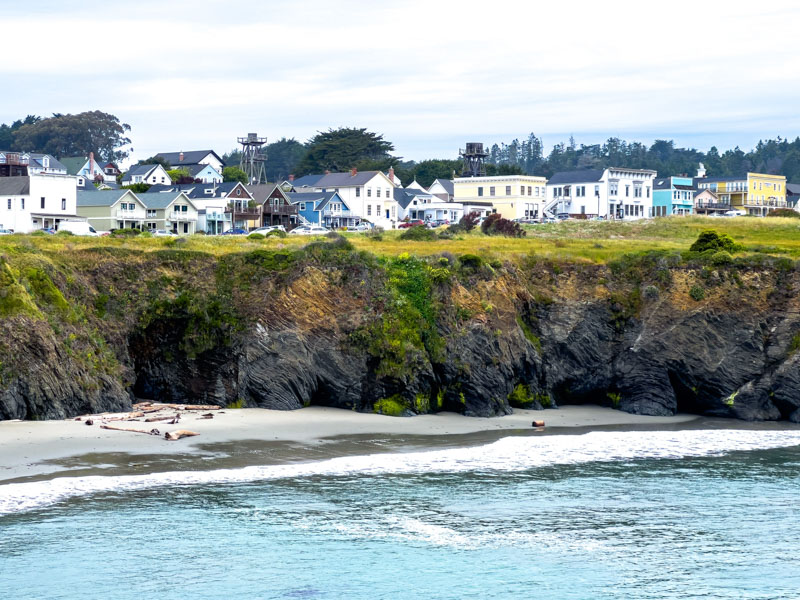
pixel 46 162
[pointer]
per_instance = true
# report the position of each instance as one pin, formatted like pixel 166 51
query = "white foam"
pixel 504 455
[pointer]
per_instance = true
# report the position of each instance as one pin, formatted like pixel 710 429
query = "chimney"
pixel 327 172
pixel 91 162
pixel 391 174
pixel 353 172
pixel 291 178
pixel 180 156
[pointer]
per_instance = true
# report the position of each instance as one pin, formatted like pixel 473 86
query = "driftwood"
pixel 189 406
pixel 537 424
pixel 171 418
pixel 114 428
pixel 206 416
pixel 89 422
pixel 178 434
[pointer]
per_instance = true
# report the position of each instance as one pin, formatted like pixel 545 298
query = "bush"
pixel 418 233
pixel 64 232
pixel 255 236
pixel 375 234
pixel 697 293
pixel 471 261
pixel 146 234
pixel 497 225
pixel 468 222
pixel 784 212
pixel 721 258
pixel 711 240
pixel 650 292
pixel 276 233
pixel 125 232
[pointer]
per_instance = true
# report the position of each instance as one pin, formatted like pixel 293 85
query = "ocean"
pixel 712 514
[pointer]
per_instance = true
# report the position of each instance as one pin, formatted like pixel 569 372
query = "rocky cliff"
pixel 94 328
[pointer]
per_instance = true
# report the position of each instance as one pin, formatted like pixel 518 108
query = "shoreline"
pixel 35 450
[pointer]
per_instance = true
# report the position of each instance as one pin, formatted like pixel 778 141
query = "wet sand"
pixel 234 438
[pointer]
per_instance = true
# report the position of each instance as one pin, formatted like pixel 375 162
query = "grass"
pixel 571 241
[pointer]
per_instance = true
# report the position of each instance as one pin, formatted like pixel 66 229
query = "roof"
pixel 584 176
pixel 101 197
pixel 334 180
pixel 143 170
pixel 446 184
pixel 226 187
pixel 192 157
pixel 195 169
pixel 157 200
pixel 262 191
pixel 404 196
pixel 73 164
pixel 698 192
pixel 15 186
pixel 319 199
pixel 54 163
pixel 793 188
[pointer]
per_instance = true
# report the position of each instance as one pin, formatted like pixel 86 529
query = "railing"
pixel 713 206
pixel 245 211
pixel 12 158
pixel 182 216
pixel 337 213
pixel 279 209
pixel 775 203
pixel 215 216
pixel 131 215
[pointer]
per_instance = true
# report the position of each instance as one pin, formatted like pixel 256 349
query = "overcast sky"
pixel 428 75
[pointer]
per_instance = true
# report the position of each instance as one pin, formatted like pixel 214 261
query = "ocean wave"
pixel 505 455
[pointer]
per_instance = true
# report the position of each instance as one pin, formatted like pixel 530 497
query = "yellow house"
pixel 755 193
pixel 513 196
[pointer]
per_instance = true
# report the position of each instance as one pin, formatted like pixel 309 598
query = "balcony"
pixel 279 209
pixel 215 216
pixel 13 158
pixel 338 213
pixel 182 216
pixel 244 212
pixel 713 206
pixel 129 215
pixel 769 202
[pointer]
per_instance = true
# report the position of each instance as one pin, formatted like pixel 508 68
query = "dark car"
pixel 236 231
pixel 407 224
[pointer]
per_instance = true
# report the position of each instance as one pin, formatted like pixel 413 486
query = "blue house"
pixel 324 208
pixel 673 196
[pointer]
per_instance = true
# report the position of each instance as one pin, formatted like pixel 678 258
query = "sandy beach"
pixel 37 450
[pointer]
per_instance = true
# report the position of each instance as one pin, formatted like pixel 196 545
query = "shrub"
pixel 468 221
pixel 276 233
pixel 697 293
pixel 721 258
pixel 650 292
pixel 418 233
pixel 125 232
pixel 255 236
pixel 375 234
pixel 497 225
pixel 64 232
pixel 711 240
pixel 784 212
pixel 146 234
pixel 471 261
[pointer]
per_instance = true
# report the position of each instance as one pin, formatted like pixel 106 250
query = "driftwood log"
pixel 115 428
pixel 171 418
pixel 178 434
pixel 537 424
pixel 189 406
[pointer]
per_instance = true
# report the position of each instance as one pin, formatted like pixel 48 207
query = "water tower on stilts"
pixel 253 158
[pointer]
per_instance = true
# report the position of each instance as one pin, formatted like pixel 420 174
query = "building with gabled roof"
pixel 673 196
pixel 612 193
pixel 327 209
pixel 149 174
pixel 112 209
pixel 38 201
pixel 276 207
pixel 172 211
pixel 193 157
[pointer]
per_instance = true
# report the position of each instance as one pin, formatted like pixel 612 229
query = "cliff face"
pixel 94 329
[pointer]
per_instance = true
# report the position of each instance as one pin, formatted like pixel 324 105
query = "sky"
pixel 427 75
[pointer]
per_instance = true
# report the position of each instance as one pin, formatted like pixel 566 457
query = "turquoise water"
pixel 638 515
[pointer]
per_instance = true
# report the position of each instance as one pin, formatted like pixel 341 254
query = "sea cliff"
pixel 88 328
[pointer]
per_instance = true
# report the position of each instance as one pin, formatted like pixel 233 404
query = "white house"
pixel 442 188
pixel 419 204
pixel 204 173
pixel 178 160
pixel 612 193
pixel 150 174
pixel 369 194
pixel 32 202
pixel 44 164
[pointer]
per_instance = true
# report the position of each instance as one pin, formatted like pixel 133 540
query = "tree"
pixel 341 149
pixel 75 135
pixel 156 160
pixel 180 176
pixel 137 188
pixel 427 171
pixel 283 157
pixel 7 131
pixel 234 174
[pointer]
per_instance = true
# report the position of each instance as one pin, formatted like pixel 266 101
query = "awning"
pixel 57 216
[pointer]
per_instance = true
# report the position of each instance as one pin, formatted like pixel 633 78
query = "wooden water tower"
pixel 253 158
pixel 473 158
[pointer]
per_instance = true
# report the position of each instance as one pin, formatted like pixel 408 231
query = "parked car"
pixel 5 232
pixel 269 228
pixel 49 230
pixel 162 232
pixel 363 226
pixel 549 220
pixel 77 228
pixel 734 213
pixel 309 230
pixel 235 231
pixel 412 223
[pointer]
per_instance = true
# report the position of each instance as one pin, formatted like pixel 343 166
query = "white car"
pixel 309 230
pixel 77 228
pixel 734 213
pixel 162 232
pixel 360 227
pixel 266 230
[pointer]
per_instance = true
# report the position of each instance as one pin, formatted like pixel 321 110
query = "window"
pixel 369 210
pixel 184 208
pixel 491 190
pixel 648 190
pixel 151 225
pixel 529 191
pixel 151 213
pixel 583 210
pixel 508 190
pixel 387 193
pixel 162 180
pixel 302 206
pixel 627 191
pixel 358 192
pixel 369 192
pixel 22 203
pixel 597 191
pixel 537 191
pixel 42 206
pixel 377 210
pixel 522 190
pixel 613 188
pixel 394 212
pixel 480 191
pixel 63 204
pixel 378 193
pixel 9 204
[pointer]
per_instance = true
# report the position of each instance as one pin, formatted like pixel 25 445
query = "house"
pixel 442 188
pixel 756 193
pixel 13 164
pixel 673 196
pixel 91 169
pixel 173 211
pixel 32 202
pixel 276 207
pixel 367 193
pixel 245 214
pixel 707 202
pixel 420 204
pixel 324 208
pixel 203 173
pixel 178 160
pixel 44 164
pixel 792 195
pixel 112 209
pixel 512 196
pixel 612 193
pixel 150 174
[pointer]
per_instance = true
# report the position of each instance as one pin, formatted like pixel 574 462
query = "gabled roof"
pixel 447 184
pixel 793 189
pixel 102 197
pixel 192 157
pixel 36 158
pixel 584 176
pixel 329 196
pixel 698 192
pixel 15 186
pixel 73 164
pixel 335 180
pixel 404 196
pixel 195 169
pixel 143 170
pixel 261 192
pixel 316 198
pixel 160 200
